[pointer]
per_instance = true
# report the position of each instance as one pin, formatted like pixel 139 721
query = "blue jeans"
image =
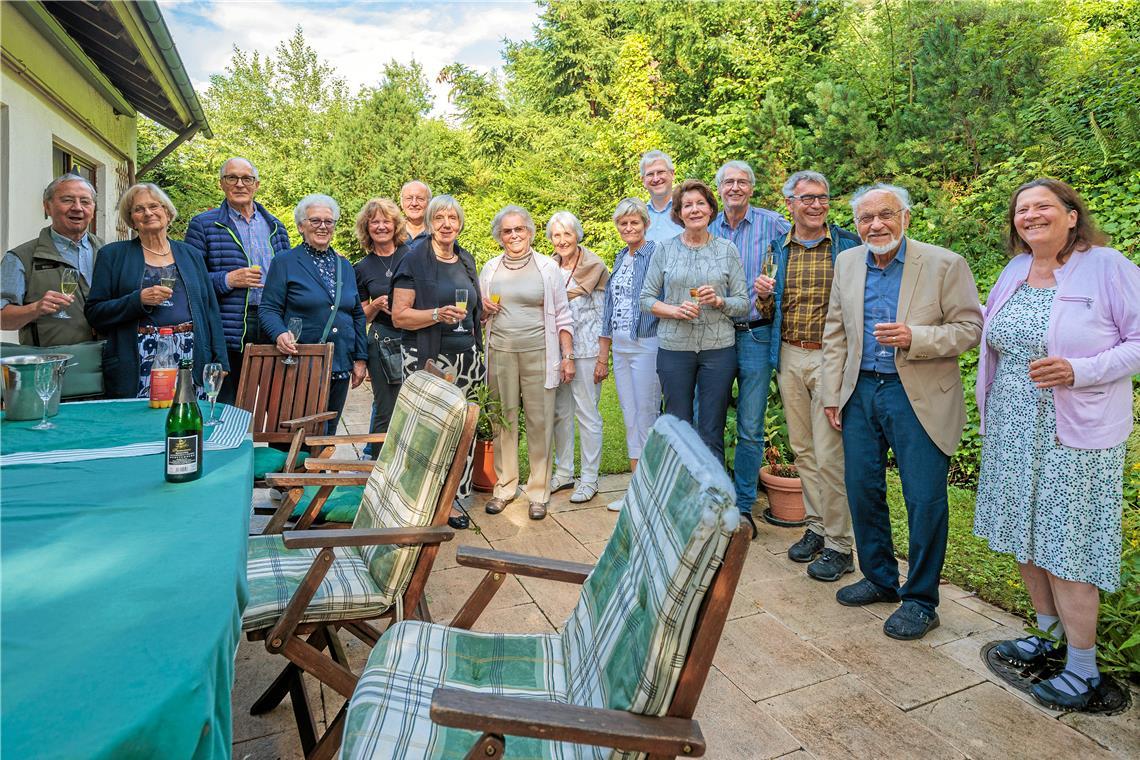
pixel 877 416
pixel 714 370
pixel 753 380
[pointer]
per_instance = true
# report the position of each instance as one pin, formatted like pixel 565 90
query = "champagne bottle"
pixel 184 430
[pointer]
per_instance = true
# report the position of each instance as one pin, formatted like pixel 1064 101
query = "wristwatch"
pixel 569 356
pixel 435 314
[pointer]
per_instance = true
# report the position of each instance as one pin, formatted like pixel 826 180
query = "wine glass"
pixel 68 285
pixel 294 330
pixel 882 316
pixel 47 382
pixel 168 278
pixel 460 303
pixel 769 265
pixel 212 375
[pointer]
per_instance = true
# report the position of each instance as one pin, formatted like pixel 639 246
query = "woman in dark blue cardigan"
pixel 304 282
pixel 127 306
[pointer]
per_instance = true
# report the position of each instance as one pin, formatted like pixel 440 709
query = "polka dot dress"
pixel 1045 503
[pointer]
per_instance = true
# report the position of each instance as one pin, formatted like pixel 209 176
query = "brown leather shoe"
pixel 537 510
pixel 495 506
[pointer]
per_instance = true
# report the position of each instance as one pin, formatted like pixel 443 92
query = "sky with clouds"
pixel 356 38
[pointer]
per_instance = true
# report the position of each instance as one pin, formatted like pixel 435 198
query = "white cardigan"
pixel 555 311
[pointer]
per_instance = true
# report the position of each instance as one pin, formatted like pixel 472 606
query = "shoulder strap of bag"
pixel 336 305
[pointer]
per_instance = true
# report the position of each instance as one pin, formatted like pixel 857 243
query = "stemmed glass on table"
pixel 212 375
pixel 460 303
pixel 294 330
pixel 47 382
pixel 68 285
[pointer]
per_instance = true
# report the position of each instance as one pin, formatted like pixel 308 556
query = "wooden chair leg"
pixel 306 726
pixel 422 611
pixel 329 744
pixel 277 690
pixel 336 647
pixel 489 746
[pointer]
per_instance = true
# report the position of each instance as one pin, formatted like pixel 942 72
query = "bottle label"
pixel 181 454
pixel 162 387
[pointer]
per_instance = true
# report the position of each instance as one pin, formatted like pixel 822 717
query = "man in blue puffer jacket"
pixel 239 240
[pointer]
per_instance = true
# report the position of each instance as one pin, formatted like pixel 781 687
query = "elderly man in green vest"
pixel 31 300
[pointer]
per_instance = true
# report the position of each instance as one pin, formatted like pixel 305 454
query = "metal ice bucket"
pixel 20 399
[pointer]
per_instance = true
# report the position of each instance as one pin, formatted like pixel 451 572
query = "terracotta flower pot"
pixel 483 468
pixel 785 498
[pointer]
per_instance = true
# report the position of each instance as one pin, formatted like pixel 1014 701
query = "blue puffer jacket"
pixel 841 240
pixel 214 233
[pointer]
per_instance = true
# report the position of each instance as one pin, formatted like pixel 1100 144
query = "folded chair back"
pixel 626 641
pixel 274 392
pixel 404 487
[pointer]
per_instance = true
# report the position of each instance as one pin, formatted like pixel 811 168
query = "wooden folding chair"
pixel 627 668
pixel 286 402
pixel 307 584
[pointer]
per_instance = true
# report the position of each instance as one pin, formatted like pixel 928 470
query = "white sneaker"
pixel 276 494
pixel 614 506
pixel 583 493
pixel 558 483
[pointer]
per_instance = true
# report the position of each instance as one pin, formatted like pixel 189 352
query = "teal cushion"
pixel 266 459
pixel 341 505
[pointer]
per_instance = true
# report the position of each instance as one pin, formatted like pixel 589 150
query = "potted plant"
pixel 491 416
pixel 779 476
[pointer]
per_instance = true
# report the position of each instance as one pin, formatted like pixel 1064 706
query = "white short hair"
pixel 804 176
pixel 895 190
pixel 49 191
pixel 741 166
pixel 566 220
pixel 246 161
pixel 411 182
pixel 127 202
pixel 314 199
pixel 440 202
pixel 632 207
pixel 655 155
pixel 497 222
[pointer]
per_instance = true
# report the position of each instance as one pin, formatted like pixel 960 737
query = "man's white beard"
pixel 887 247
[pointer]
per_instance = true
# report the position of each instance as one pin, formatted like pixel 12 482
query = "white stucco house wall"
pixel 74 78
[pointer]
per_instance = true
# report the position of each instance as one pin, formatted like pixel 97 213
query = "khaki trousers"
pixel 817 445
pixel 511 375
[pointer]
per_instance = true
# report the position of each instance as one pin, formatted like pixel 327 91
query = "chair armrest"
pixel 339 465
pixel 333 440
pixel 514 716
pixel 312 539
pixel 523 564
pixel 302 421
pixel 302 479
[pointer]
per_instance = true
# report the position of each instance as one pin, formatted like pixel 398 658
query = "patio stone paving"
pixel 796 675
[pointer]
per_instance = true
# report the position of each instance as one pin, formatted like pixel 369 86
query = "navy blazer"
pixel 294 288
pixel 115 308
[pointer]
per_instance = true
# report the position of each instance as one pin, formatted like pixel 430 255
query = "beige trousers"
pixel 817 445
pixel 511 375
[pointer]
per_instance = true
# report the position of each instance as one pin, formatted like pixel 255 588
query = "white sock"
pixel 1081 662
pixel 1050 624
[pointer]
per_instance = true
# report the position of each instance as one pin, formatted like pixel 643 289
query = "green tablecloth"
pixel 121 601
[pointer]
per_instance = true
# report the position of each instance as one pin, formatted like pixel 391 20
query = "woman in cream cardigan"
pixel 529 350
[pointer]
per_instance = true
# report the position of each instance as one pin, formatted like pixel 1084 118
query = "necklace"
pixel 161 254
pixel 702 244
pixel 445 259
pixel 573 269
pixel 387 261
pixel 520 262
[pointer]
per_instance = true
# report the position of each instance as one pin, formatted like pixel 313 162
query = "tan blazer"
pixel 938 301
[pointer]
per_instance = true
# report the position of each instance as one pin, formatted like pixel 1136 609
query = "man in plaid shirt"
pixel 805 258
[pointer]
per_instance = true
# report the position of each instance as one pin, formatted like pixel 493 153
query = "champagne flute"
pixel 47 382
pixel 294 330
pixel 68 285
pixel 212 379
pixel 882 316
pixel 168 278
pixel 460 303
pixel 769 265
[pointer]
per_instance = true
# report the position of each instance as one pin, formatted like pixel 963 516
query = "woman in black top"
pixel 381 233
pixel 424 298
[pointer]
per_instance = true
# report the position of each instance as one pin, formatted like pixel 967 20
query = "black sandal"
pixel 1052 697
pixel 1043 651
pixel 460 521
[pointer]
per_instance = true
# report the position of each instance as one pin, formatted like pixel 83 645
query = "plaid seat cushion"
pixel 623 646
pixel 274 573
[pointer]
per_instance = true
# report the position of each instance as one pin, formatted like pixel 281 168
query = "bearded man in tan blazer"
pixel 901 312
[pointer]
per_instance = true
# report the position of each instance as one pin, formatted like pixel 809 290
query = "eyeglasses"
pixel 330 223
pixel 508 231
pixel 70 200
pixel 811 200
pixel 885 216
pixel 736 183
pixel 152 208
pixel 233 179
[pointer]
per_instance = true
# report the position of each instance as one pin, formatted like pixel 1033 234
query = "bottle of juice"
pixel 163 372
pixel 184 430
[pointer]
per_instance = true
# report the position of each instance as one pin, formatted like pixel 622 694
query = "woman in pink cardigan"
pixel 1060 343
